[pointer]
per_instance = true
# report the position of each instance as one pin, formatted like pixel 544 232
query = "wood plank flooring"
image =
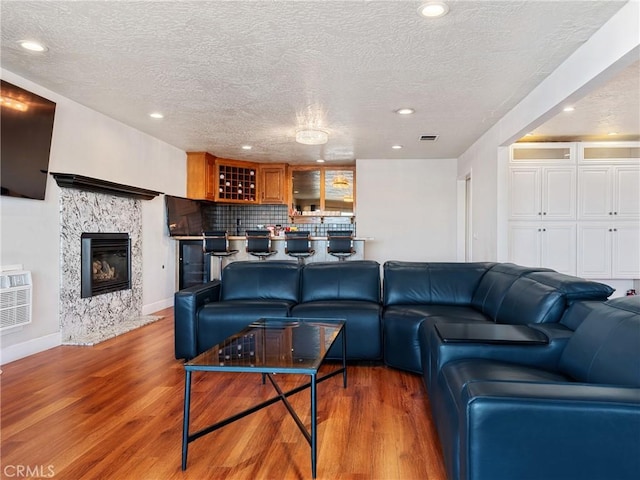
pixel 114 411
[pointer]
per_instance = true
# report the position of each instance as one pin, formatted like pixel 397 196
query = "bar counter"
pixel 319 244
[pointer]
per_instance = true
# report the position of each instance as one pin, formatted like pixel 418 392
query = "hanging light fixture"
pixel 312 137
pixel 340 182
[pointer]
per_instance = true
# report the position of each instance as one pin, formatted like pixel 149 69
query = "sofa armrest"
pixel 187 302
pixel 435 352
pixel 549 430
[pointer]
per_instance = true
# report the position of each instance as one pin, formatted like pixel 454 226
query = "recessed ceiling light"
pixel 156 115
pixel 568 109
pixel 612 133
pixel 246 147
pixel 32 46
pixel 530 134
pixel 320 160
pixel 433 9
pixel 405 111
pixel 396 147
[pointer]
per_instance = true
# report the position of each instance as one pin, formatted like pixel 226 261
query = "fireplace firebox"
pixel 106 263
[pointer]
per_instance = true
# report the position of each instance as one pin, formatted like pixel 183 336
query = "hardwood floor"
pixel 114 411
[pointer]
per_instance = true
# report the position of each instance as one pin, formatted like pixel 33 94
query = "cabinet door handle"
pixel 615 213
pixel 539 213
pixel 610 213
pixel 611 230
pixel 615 229
pixel 544 229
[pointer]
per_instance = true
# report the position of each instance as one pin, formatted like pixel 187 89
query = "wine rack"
pixel 237 183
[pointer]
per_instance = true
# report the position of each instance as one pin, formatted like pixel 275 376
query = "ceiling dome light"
pixel 433 9
pixel 405 111
pixel 396 147
pixel 320 160
pixel 156 115
pixel 312 137
pixel 246 147
pixel 32 46
pixel 568 109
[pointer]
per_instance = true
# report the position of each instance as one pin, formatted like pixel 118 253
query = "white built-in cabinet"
pixel 575 207
pixel 549 244
pixel 542 206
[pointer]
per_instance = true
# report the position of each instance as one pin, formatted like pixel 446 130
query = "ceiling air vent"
pixel 428 138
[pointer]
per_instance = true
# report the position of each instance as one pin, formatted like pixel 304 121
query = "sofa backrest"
pixel 273 279
pixel 346 280
pixel 605 348
pixel 495 284
pixel 443 283
pixel 527 301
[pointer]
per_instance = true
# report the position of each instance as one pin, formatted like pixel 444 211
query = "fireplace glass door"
pixel 106 262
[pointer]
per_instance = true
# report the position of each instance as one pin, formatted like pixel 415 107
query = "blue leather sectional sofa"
pixel 397 320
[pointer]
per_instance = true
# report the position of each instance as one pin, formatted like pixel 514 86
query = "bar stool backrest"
pixel 258 243
pixel 298 243
pixel 215 241
pixel 340 243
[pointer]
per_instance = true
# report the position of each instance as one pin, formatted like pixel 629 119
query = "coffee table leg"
pixel 344 356
pixel 314 433
pixel 185 424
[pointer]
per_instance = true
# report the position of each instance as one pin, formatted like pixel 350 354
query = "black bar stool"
pixel 258 244
pixel 216 244
pixel 340 243
pixel 298 245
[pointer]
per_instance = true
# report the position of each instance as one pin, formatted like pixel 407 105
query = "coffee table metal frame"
pixel 267 371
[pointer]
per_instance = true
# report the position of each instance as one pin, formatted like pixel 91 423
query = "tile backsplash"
pixel 236 219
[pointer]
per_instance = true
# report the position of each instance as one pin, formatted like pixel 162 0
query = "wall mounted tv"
pixel 26 127
pixel 184 216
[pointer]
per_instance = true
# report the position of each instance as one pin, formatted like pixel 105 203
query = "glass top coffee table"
pixel 268 346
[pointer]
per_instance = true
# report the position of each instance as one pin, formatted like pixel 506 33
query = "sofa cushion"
pixel 277 280
pixel 218 320
pixel 411 283
pixel 347 280
pixel 608 338
pixel 363 325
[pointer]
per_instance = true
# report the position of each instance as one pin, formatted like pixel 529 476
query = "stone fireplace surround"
pixel 87 321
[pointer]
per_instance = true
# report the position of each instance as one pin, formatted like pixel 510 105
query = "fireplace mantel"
pixel 71 180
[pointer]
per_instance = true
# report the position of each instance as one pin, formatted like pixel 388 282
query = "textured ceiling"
pixel 229 73
pixel 612 108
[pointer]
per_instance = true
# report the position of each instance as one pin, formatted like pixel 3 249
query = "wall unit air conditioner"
pixel 15 298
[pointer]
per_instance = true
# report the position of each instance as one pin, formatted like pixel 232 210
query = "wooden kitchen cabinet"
pixel 236 181
pixel 201 169
pixel 273 183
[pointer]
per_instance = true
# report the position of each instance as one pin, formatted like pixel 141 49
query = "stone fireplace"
pixel 94 213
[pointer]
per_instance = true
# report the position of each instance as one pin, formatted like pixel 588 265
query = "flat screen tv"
pixel 26 127
pixel 184 216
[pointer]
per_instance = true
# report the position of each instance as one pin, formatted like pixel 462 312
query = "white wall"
pixel 87 143
pixel 612 48
pixel 408 207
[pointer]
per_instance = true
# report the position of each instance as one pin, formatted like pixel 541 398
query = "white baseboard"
pixel 24 349
pixel 156 306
